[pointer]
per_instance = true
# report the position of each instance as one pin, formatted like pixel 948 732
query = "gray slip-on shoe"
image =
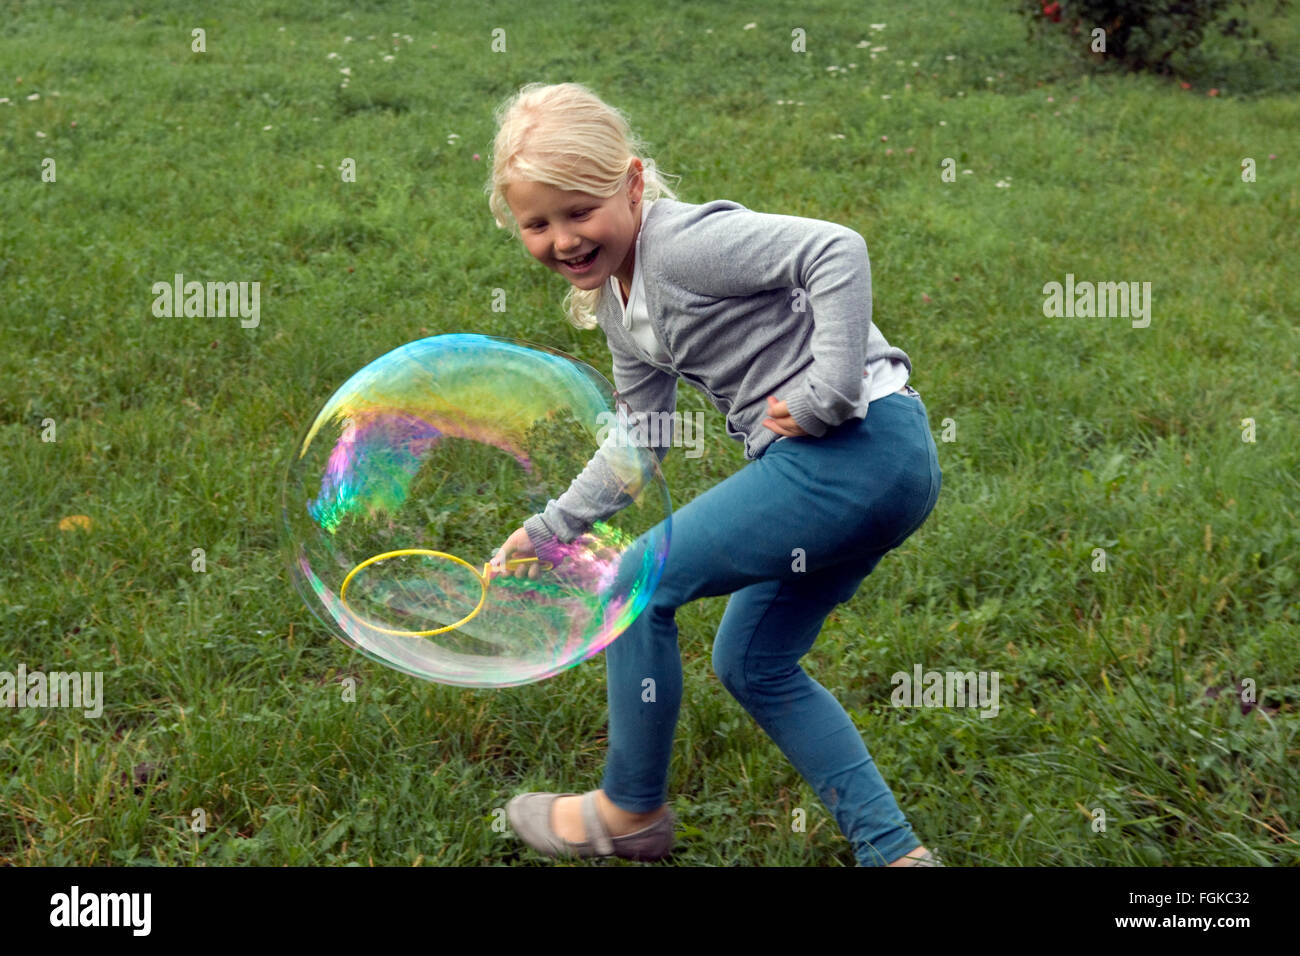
pixel 530 815
pixel 928 858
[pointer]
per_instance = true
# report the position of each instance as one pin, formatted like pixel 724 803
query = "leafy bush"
pixel 1142 34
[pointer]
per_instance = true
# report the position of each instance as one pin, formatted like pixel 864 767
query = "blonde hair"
pixel 564 135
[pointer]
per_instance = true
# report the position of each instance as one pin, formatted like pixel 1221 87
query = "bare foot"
pixel 916 854
pixel 566 818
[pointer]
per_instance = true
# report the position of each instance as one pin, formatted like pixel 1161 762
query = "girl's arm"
pixel 610 481
pixel 729 252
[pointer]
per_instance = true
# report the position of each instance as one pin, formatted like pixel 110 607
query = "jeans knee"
pixel 633 570
pixel 646 555
pixel 744 681
pixel 730 670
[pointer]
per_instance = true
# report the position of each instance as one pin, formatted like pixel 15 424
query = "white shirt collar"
pixel 636 270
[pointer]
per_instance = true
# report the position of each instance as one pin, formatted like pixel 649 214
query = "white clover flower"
pixel 967 172
pixel 331 56
pixel 877 26
pixel 265 128
pixel 346 71
pixel 40 135
pixel 864 43
pixel 34 96
pixel 950 57
pixel 389 58
pixel 1001 185
pixel 750 26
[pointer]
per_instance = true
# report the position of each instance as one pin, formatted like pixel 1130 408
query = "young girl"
pixel 769 316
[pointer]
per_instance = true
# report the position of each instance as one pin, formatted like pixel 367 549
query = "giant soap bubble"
pixel 417 470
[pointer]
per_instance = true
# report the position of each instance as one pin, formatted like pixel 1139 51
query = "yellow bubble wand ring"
pixel 484 578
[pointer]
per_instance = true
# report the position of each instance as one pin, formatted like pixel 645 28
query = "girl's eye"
pixel 580 214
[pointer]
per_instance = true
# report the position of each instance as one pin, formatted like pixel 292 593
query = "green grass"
pixel 1071 434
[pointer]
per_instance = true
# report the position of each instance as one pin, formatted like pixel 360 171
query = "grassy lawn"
pixel 1120 688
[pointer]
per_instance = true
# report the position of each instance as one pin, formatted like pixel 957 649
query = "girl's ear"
pixel 636 180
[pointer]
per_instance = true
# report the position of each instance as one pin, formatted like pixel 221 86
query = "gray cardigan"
pixel 748 304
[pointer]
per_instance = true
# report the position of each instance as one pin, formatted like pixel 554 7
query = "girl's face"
pixel 561 225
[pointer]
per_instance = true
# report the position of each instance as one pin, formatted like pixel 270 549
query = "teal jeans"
pixel 789 536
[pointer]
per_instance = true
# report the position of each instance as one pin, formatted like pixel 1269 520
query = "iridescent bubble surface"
pixel 416 471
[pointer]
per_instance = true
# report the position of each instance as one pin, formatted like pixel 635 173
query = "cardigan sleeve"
pixel 609 483
pixel 733 252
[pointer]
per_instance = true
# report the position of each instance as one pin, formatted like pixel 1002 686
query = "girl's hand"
pixel 781 421
pixel 518 545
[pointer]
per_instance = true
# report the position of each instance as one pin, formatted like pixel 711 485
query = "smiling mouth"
pixel 582 260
